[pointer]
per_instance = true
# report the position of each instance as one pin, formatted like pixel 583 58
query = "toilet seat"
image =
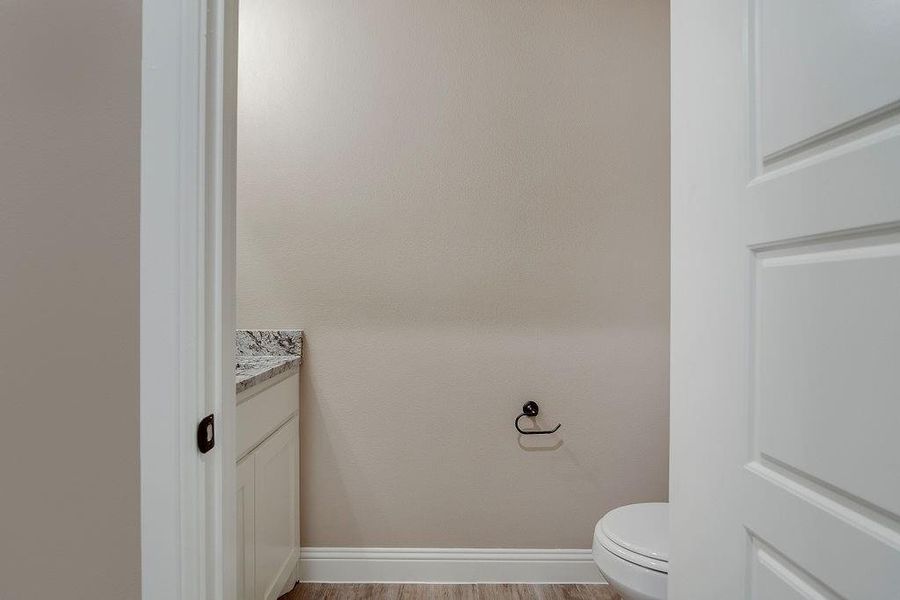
pixel 637 533
pixel 632 557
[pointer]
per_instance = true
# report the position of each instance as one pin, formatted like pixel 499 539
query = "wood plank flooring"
pixel 408 591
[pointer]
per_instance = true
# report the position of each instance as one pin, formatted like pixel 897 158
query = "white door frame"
pixel 187 298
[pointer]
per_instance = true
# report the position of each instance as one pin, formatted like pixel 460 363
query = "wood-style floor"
pixel 409 591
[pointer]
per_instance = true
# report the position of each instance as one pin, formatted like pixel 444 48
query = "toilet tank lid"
pixel 641 528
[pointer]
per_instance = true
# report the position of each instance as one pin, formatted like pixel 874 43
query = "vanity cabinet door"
pixel 244 530
pixel 276 465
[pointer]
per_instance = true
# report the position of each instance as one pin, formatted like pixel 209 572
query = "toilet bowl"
pixel 631 548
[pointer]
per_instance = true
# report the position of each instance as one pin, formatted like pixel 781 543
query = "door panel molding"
pixel 785 294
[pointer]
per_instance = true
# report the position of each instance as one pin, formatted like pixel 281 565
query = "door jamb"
pixel 187 301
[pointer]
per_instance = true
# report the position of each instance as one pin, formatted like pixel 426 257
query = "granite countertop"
pixel 262 354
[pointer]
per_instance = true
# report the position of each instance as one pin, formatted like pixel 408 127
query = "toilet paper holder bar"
pixel 531 409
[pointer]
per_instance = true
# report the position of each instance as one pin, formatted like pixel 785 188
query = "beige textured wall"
pixel 69 194
pixel 465 205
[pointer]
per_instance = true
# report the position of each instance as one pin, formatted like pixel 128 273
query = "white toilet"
pixel 631 547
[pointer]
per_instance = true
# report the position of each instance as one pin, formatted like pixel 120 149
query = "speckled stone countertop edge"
pixel 262 354
pixel 245 381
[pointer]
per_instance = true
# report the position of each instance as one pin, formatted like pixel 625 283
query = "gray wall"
pixel 465 205
pixel 69 194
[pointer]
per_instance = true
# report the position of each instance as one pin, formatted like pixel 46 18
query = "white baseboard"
pixel 447 565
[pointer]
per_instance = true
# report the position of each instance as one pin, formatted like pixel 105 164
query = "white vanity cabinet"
pixel 244 532
pixel 268 488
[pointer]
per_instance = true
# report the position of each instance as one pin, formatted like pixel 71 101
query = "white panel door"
pixel 244 529
pixel 277 506
pixel 785 380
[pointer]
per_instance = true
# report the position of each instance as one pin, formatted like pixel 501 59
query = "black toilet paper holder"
pixel 531 409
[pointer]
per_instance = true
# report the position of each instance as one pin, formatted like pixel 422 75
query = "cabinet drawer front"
pixel 260 415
